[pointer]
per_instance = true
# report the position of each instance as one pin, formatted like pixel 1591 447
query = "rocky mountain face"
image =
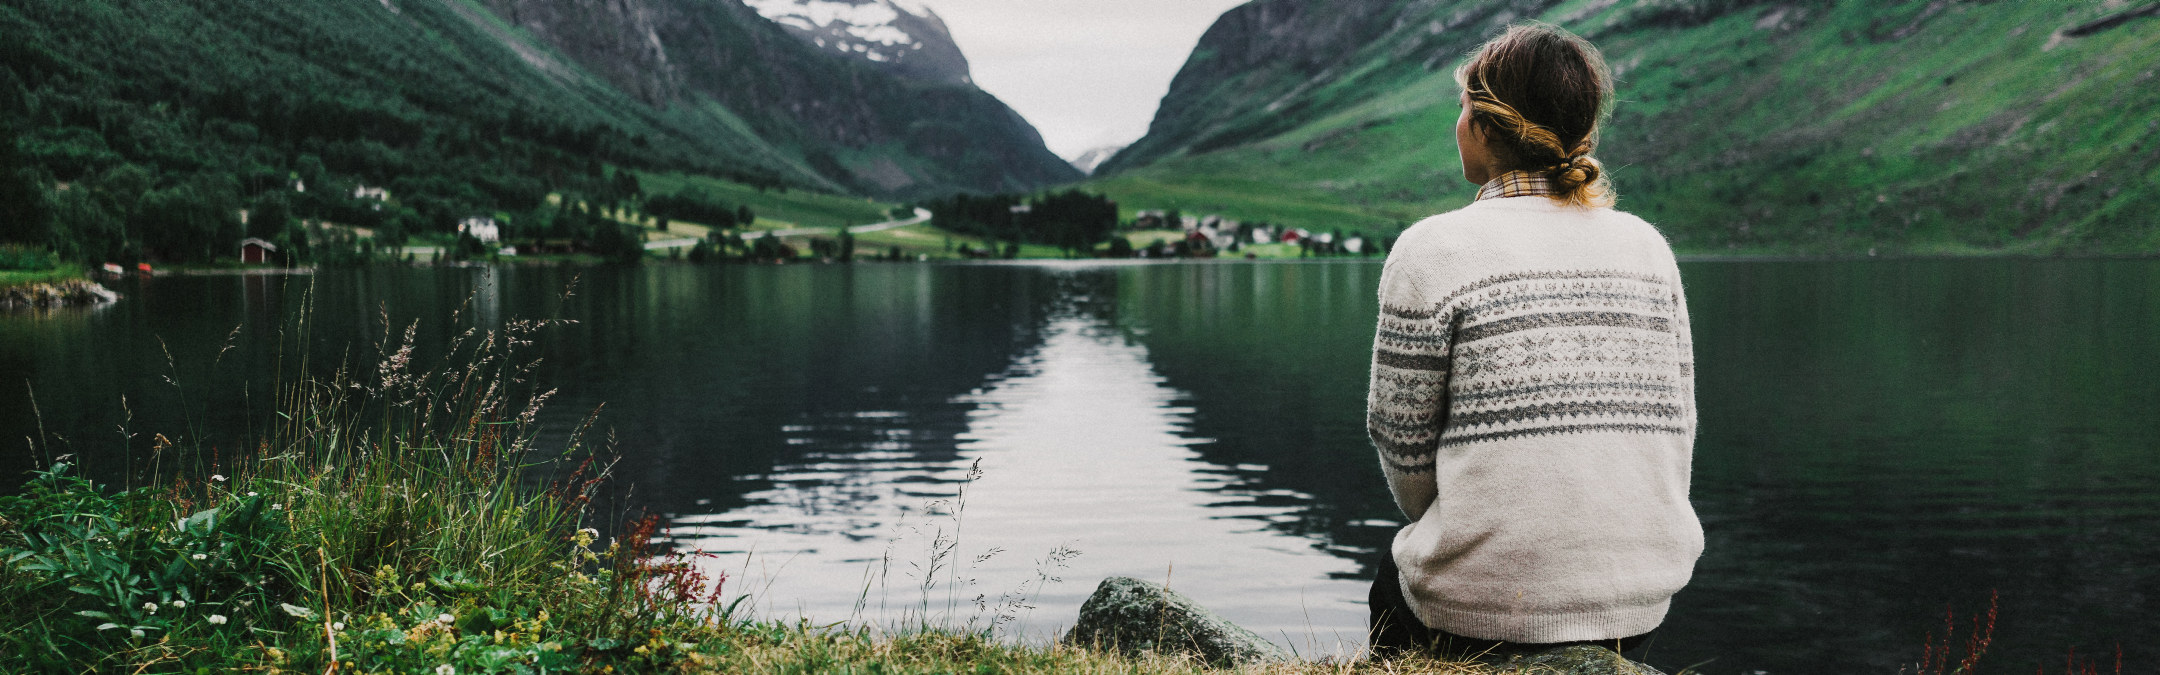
pixel 1258 57
pixel 1743 125
pixel 909 124
pixel 902 37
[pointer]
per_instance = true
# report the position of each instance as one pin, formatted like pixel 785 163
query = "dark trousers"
pixel 1395 630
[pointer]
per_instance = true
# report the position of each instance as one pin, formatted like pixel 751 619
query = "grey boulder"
pixel 1576 660
pixel 1131 616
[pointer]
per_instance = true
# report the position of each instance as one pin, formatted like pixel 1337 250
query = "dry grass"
pixel 775 648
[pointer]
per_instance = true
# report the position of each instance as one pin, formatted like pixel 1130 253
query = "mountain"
pixel 1808 126
pixel 904 37
pixel 849 120
pixel 485 102
pixel 1088 161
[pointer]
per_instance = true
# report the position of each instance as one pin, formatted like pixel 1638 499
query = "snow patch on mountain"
pixel 903 36
pixel 1088 161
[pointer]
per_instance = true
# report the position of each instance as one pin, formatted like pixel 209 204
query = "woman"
pixel 1532 394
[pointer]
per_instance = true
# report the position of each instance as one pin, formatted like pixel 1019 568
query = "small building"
pixel 481 228
pixel 255 251
pixel 365 192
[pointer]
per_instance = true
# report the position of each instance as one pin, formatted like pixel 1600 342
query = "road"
pixel 921 216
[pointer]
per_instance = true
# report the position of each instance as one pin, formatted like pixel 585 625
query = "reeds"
pixel 398 515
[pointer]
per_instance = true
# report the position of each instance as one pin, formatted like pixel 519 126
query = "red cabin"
pixel 255 251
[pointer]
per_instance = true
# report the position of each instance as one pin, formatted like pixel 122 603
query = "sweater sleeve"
pixel 1684 330
pixel 1406 403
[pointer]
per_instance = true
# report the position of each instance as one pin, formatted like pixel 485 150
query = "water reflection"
pixel 1081 445
pixel 1880 438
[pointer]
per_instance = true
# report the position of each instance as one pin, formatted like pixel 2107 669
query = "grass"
pixel 775 209
pixel 1910 128
pixel 61 272
pixel 399 517
pixel 388 523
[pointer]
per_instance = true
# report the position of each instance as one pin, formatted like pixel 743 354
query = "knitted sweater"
pixel 1533 403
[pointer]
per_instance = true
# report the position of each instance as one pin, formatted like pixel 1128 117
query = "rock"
pixel 1576 660
pixel 62 294
pixel 1130 615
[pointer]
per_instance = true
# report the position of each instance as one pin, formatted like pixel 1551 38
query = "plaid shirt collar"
pixel 1516 184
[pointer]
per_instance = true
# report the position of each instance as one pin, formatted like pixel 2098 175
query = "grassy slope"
pixel 775 209
pixel 1958 129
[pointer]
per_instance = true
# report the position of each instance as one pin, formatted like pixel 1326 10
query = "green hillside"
pixel 141 129
pixel 1751 127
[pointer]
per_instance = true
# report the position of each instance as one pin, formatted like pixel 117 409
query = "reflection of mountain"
pixel 715 380
pixel 1273 359
pixel 1080 444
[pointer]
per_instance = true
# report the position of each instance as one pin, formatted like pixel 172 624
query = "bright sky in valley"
pixel 1086 73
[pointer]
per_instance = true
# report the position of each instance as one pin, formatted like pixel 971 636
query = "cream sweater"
pixel 1533 402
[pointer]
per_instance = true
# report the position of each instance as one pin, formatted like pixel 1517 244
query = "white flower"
pixel 217 619
pixel 134 632
pixel 277 507
pixel 445 669
pixel 179 604
pixel 150 607
pixel 251 493
pixel 337 625
pixel 200 556
pixel 217 477
pixel 445 619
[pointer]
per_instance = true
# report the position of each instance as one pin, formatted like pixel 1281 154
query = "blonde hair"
pixel 1544 92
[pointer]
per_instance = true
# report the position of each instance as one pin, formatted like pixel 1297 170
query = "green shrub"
pixel 19 257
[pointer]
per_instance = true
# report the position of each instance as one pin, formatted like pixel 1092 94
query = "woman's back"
pixel 1533 403
pixel 1533 395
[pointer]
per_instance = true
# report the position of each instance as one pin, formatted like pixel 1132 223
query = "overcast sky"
pixel 1086 73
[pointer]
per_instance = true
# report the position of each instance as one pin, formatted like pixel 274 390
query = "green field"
pixel 775 209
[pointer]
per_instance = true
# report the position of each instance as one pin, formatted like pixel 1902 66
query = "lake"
pixel 1881 440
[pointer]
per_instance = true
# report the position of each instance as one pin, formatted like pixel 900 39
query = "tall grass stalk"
pixel 393 517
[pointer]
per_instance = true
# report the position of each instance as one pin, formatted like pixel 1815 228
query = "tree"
pixel 1120 247
pixel 270 216
pixel 25 208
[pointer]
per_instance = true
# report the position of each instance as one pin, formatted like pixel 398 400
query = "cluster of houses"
pixel 1222 234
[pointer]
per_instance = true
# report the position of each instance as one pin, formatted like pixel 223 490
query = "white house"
pixel 365 192
pixel 481 228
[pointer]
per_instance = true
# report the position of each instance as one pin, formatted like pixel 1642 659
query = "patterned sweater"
pixel 1533 403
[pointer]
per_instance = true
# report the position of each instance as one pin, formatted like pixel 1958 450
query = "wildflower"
pixel 586 536
pixel 252 493
pixel 179 604
pixel 200 556
pixel 445 619
pixel 217 619
pixel 150 607
pixel 277 507
pixel 445 669
pixel 217 478
pixel 135 632
pixel 337 625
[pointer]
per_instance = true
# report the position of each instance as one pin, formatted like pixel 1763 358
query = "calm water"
pixel 1881 440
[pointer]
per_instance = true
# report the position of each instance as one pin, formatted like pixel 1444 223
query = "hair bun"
pixel 1575 172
